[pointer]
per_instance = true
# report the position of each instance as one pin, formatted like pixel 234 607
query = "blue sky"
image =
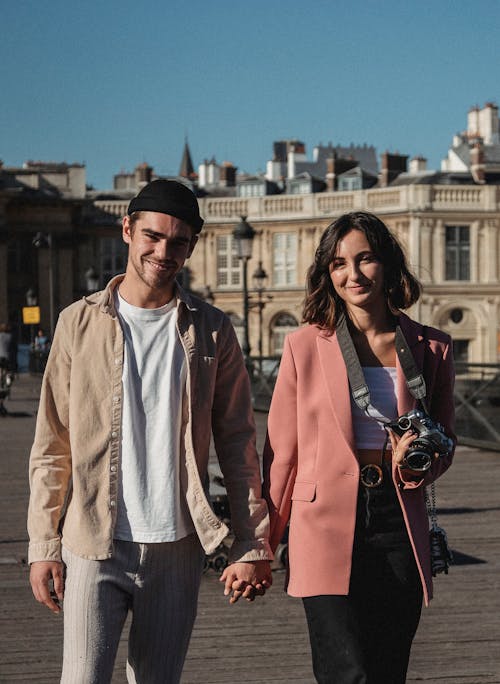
pixel 113 84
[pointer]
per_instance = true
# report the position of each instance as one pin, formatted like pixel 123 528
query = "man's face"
pixel 159 244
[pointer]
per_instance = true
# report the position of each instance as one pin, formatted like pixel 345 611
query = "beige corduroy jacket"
pixel 75 459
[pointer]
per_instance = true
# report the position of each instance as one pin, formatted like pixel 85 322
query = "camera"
pixel 431 439
pixel 441 555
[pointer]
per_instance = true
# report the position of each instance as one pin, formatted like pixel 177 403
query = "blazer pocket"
pixel 304 491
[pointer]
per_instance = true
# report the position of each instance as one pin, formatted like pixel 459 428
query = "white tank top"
pixel 151 505
pixel 368 428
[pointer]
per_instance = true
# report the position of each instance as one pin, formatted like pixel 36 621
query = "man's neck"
pixel 145 298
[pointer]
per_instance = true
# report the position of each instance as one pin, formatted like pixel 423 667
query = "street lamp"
pixel 259 282
pixel 91 279
pixel 41 241
pixel 31 300
pixel 243 235
pixel 208 295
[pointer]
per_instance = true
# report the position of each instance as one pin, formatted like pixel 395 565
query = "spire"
pixel 186 170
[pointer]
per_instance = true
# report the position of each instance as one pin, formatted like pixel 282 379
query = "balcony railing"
pixel 319 205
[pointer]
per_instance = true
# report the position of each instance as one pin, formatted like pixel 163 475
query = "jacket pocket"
pixel 304 491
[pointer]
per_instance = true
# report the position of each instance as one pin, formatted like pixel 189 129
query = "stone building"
pixel 55 245
pixel 447 221
pixel 450 233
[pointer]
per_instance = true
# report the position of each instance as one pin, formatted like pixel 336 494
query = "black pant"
pixel 365 637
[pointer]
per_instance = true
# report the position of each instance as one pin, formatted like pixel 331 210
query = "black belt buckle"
pixel 371 475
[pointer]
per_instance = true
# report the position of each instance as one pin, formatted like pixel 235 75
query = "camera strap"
pixel 359 389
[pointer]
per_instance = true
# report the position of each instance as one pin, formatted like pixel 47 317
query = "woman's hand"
pixel 400 446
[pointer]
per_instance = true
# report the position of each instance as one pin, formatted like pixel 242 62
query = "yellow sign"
pixel 31 315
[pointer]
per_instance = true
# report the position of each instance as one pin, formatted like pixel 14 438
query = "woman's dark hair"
pixel 322 304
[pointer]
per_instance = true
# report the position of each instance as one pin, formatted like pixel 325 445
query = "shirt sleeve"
pixel 50 459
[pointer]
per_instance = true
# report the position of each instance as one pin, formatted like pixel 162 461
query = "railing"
pixel 477 401
pixel 321 204
pixel 263 371
pixel 477 398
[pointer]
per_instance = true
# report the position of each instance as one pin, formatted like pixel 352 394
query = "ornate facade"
pixel 450 233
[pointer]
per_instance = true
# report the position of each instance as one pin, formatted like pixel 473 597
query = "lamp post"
pixel 244 235
pixel 259 278
pixel 39 241
pixel 91 279
pixel 31 300
pixel 208 295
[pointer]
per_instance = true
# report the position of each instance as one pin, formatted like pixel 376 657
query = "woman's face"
pixel 357 274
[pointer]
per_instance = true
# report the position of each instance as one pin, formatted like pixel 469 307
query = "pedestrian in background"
pixel 358 544
pixel 5 344
pixel 138 378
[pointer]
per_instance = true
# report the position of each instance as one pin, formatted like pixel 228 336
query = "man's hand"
pixel 247 580
pixel 41 573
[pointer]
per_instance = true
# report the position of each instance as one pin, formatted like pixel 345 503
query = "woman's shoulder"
pixel 422 331
pixel 305 333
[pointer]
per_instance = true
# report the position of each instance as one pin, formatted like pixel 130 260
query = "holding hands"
pixel 246 580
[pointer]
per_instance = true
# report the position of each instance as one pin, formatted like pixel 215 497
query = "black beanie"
pixel 168 197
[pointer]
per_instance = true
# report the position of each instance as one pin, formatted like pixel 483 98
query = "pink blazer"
pixel 311 472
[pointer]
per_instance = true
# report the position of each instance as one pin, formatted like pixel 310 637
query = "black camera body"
pixel 431 439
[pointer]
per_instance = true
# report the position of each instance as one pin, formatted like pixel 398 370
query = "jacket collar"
pixel 106 301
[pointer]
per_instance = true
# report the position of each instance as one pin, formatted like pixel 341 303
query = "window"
pixel 300 188
pixel 457 253
pixel 113 258
pixel 251 189
pixel 461 351
pixel 284 259
pixel 350 183
pixel 228 264
pixel 283 324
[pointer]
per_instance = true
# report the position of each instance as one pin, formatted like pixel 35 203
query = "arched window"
pixel 281 325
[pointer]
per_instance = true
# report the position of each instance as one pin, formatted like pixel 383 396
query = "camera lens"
pixel 418 458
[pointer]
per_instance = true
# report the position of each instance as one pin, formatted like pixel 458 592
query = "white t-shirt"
pixel 368 426
pixel 151 505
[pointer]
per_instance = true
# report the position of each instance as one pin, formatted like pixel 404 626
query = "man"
pixel 138 377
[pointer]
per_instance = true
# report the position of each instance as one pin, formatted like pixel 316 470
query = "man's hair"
pixel 322 305
pixel 133 218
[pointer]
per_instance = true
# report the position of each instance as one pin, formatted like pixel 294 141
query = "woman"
pixel 358 547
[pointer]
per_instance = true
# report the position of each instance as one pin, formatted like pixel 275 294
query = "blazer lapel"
pixel 336 383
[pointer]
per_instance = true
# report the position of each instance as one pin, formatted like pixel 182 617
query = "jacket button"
pixel 112 504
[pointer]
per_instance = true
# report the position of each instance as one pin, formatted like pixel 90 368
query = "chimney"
pixel 418 164
pixel 392 166
pixel 477 165
pixel 330 173
pixel 334 167
pixel 489 124
pixel 143 174
pixel 228 174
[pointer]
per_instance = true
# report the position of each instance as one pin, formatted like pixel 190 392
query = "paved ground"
pixel 266 641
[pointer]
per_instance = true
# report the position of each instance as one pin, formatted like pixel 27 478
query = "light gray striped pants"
pixel 158 583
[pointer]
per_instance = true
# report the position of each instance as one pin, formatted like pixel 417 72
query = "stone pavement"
pixel 266 641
